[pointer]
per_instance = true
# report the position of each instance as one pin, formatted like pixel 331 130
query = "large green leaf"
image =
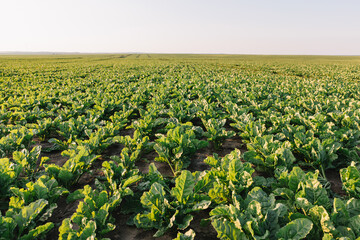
pixel 227 230
pixel 65 230
pixel 89 231
pixel 154 198
pixel 353 207
pixel 29 213
pixel 38 231
pixel 296 176
pixel 184 186
pixel 295 230
pixel 354 224
pixel 320 215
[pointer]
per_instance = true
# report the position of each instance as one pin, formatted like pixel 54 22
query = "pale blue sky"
pixel 174 26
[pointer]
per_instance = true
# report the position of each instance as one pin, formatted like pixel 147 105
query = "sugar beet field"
pixel 179 147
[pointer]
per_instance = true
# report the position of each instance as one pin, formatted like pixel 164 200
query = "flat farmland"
pixel 157 146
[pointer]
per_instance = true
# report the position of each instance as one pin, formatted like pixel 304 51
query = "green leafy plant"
pixel 215 131
pixel 165 210
pixel 44 188
pixel 317 153
pixel 228 175
pixel 345 219
pixel 147 125
pixel 177 146
pixel 189 235
pixel 45 127
pixel 258 216
pixel 98 141
pixel 137 142
pixel 268 154
pixel 92 215
pixel 184 110
pixel 17 139
pixel 9 173
pixel 248 127
pixel 21 221
pixel 350 178
pixel 121 173
pixel 296 229
pixel 29 161
pixel 298 186
pixel 78 163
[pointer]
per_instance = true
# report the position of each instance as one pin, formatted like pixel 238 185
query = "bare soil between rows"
pixel 127 232
pixel 123 230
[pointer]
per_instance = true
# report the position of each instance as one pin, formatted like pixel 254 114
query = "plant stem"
pixel 167 160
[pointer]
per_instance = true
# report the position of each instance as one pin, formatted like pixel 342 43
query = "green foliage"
pixel 121 174
pixel 45 127
pixel 258 216
pixel 316 152
pixel 189 235
pixel 216 133
pixel 79 162
pixel 29 161
pixel 20 221
pixel 92 215
pixel 165 210
pixel 67 232
pixel 9 172
pixel 177 146
pixel 269 154
pixel 350 177
pixel 153 176
pixel 299 117
pixel 294 230
pixel 303 188
pixel 148 125
pixel 98 141
pixel 228 175
pixel 17 139
pixel 44 188
pixel 248 128
pixel 136 143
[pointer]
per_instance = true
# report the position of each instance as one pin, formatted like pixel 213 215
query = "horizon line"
pixel 9 53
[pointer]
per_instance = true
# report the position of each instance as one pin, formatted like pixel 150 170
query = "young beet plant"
pixel 230 175
pixel 172 209
pixel 28 160
pixel 350 178
pixel 216 132
pixel 177 146
pixel 25 221
pixel 258 216
pixel 93 215
pixel 79 162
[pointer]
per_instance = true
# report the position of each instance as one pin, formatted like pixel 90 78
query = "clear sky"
pixel 182 26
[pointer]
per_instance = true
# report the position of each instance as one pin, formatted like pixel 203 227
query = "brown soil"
pixel 229 145
pixel 64 210
pixel 124 231
pixel 147 159
pixel 333 177
pixel 55 157
pixel 129 131
pixel 203 232
pixel 113 149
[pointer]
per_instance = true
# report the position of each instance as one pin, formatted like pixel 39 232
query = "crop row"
pixel 297 124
